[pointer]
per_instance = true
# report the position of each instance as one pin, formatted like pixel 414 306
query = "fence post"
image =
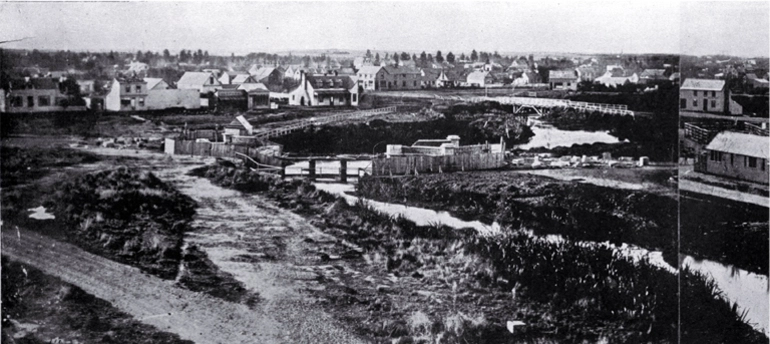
pixel 343 171
pixel 311 170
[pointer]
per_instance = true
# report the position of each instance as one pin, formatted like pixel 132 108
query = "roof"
pixel 34 83
pixel 743 144
pixel 231 94
pixel 369 69
pixel 240 78
pixel 431 73
pixel 250 86
pixel 703 84
pixel 152 82
pixel 194 78
pixel 430 143
pixel 477 76
pixel 561 74
pixel 401 70
pixel 331 82
pixel 263 72
pixel 751 76
pixel 652 73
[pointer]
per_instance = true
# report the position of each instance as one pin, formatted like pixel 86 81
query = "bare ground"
pixel 264 247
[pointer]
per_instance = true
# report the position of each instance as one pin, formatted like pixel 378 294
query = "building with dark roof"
pixel 35 95
pixel 563 79
pixel 325 90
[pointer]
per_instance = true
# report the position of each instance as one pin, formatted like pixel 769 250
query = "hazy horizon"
pixel 244 27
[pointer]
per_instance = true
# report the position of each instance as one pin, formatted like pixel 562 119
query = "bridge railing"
pixel 324 120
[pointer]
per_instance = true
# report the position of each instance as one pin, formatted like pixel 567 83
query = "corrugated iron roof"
pixel 196 78
pixel 562 74
pixel 703 84
pixel 740 143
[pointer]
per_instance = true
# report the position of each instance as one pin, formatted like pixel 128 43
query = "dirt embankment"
pixel 38 308
pixel 433 283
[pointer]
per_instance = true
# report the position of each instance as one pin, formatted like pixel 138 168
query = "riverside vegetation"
pixel 455 286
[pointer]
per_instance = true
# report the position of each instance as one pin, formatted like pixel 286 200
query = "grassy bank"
pixel 547 206
pixel 38 308
pixel 453 286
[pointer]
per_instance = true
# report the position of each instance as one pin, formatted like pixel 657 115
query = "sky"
pixel 459 26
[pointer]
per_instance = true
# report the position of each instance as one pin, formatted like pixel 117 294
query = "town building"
pixel 738 155
pixel 36 95
pixel 479 79
pixel 563 80
pixel 203 82
pixel 268 75
pixel 325 90
pixel 612 80
pixel 135 94
pixel 649 76
pixel 706 95
pixel 156 84
pixel 368 77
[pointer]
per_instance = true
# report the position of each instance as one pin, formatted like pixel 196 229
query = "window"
pixel 415 83
pixel 292 97
pixel 714 94
pixel 141 101
pixel 128 88
pixel 125 101
pixel 752 162
pixel 764 162
pixel 403 83
pixel 682 103
pixel 44 101
pixel 695 93
pixel 713 104
pixel 716 156
pixel 138 88
pixel 30 101
pixel 355 97
pixel 732 159
pixel 17 101
pixel 695 102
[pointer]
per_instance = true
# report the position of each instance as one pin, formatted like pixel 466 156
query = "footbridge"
pixel 286 129
pixel 520 104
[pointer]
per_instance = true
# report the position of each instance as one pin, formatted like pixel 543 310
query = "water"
pixel 747 289
pixel 550 137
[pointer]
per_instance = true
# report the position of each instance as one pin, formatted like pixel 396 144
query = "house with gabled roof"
pixel 203 82
pixel 34 95
pixel 368 77
pixel 156 84
pixel 738 155
pixel 268 75
pixel 706 95
pixel 563 79
pixel 325 90
pixel 479 79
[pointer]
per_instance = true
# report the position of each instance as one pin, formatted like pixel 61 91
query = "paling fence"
pixel 409 164
pixel 221 150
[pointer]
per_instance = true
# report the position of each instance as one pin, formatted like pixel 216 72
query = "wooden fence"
pixel 322 121
pixel 436 164
pixel 221 150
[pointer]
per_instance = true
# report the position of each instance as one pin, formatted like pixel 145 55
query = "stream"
pixel 747 289
pixel 549 137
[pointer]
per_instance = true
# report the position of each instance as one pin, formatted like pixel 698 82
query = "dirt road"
pixel 270 250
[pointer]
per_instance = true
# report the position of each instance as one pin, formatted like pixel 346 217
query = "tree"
pixel 462 56
pixel 430 58
pixel 368 53
pixel 377 59
pixel 404 56
pixel 450 57
pixel 423 59
pixel 414 57
pixel 439 58
pixel 166 54
pixel 474 56
pixel 138 55
pixel 395 59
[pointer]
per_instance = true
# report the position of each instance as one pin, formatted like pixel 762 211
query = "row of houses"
pixel 712 96
pixel 614 77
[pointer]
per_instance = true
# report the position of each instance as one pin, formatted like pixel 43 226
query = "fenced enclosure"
pixel 436 164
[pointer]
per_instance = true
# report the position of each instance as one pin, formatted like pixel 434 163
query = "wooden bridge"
pixel 521 103
pixel 280 131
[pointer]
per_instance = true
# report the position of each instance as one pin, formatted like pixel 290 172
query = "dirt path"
pixel 151 300
pixel 271 251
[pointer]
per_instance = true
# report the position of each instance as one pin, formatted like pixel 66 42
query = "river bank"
pixel 438 264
